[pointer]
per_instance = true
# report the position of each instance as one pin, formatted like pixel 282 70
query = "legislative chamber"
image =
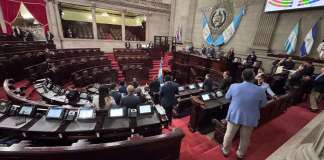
pixel 161 79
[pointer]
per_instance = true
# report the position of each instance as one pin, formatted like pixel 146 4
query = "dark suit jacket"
pixel 130 101
pixel 309 70
pixel 225 84
pixel 318 84
pixel 167 94
pixel 208 85
pixel 123 89
pixel 296 78
pixel 155 86
pixel 116 95
pixel 289 65
pixel 135 84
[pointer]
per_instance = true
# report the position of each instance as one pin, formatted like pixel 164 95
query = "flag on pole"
pixel 206 31
pixel 179 34
pixel 160 74
pixel 230 30
pixel 309 41
pixel 290 44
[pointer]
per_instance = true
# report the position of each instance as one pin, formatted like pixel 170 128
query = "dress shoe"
pixel 314 110
pixel 221 149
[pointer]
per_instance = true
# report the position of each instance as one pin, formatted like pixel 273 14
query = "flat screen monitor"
pixel 145 109
pixel 26 110
pixel 86 113
pixel 282 5
pixel 55 113
pixel 200 84
pixel 181 88
pixel 205 97
pixel 192 86
pixel 4 107
pixel 116 112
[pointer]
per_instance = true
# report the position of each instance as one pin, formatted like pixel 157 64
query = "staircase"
pixel 115 66
pixel 156 66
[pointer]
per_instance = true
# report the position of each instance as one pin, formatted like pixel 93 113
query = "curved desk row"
pixel 103 127
pixel 164 146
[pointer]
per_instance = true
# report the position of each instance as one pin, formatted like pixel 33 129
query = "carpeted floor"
pixel 265 139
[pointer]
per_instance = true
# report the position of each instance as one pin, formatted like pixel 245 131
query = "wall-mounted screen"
pixel 281 5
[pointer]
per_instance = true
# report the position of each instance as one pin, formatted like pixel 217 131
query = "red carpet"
pixel 265 139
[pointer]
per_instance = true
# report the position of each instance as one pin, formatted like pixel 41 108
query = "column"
pixel 190 21
pixel 123 25
pixel 57 29
pixel 172 17
pixel 147 29
pixel 94 22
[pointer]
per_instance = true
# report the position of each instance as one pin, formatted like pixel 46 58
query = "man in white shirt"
pixel 266 86
pixel 320 50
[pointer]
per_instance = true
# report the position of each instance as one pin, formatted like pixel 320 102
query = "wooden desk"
pixel 203 113
pixel 186 67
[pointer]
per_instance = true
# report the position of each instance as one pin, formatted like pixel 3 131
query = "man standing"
pixel 318 89
pixel 208 84
pixel 130 101
pixel 226 82
pixel 244 112
pixel 167 96
pixel 115 94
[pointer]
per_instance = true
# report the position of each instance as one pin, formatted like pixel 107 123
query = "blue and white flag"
pixel 309 41
pixel 160 74
pixel 290 44
pixel 206 31
pixel 230 30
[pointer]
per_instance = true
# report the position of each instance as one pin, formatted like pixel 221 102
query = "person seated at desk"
pixel 261 82
pixel 115 94
pixel 318 89
pixel 73 96
pixel 130 101
pixel 226 82
pixel 167 96
pixel 243 113
pixel 208 84
pixel 135 82
pixel 122 88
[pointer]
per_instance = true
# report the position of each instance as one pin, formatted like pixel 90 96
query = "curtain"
pixel 10 9
pixel 38 9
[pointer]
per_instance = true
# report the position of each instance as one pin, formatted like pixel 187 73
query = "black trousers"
pixel 169 113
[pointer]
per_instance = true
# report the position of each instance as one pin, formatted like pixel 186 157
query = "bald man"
pixel 130 101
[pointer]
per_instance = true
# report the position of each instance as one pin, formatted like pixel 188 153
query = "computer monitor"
pixel 192 86
pixel 27 110
pixel 181 88
pixel 200 84
pixel 219 94
pixel 86 113
pixel 145 109
pixel 205 97
pixel 4 107
pixel 55 113
pixel 116 112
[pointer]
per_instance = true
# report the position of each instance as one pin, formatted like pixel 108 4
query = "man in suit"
pixel 167 96
pixel 122 87
pixel 208 84
pixel 115 94
pixel 243 113
pixel 155 89
pixel 318 89
pixel 250 59
pixel 130 101
pixel 226 82
pixel 289 64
